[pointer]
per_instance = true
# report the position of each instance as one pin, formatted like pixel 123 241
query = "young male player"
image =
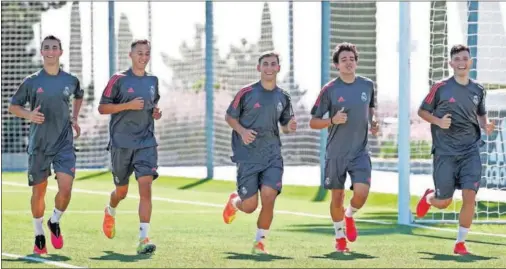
pixel 455 107
pixel 254 115
pixel 349 100
pixel 48 92
pixel 131 97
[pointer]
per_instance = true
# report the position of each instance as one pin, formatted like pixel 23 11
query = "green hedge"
pixel 419 150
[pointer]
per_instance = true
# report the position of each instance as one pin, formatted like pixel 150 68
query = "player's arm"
pixel 287 119
pixel 483 120
pixel 482 111
pixel 108 103
pixel 320 108
pixel 372 106
pixel 19 100
pixel 77 102
pixel 232 116
pixel 234 112
pixel 429 104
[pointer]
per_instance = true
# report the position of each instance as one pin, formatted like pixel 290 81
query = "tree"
pixel 125 37
pixel 17 61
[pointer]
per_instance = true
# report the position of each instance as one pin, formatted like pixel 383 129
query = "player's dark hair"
pixel 51 37
pixel 459 48
pixel 345 46
pixel 139 42
pixel 268 54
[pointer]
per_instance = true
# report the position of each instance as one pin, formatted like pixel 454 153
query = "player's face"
pixel 140 55
pixel 461 63
pixel 347 63
pixel 51 52
pixel 268 68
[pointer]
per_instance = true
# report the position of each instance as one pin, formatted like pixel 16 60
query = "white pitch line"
pixel 452 230
pixel 41 260
pixel 293 213
pixel 91 212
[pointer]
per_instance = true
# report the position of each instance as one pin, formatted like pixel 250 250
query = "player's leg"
pixel 444 168
pixel 64 166
pixel 245 198
pixel 121 160
pixel 469 176
pixel 271 183
pixel 360 173
pixel 335 177
pixel 145 162
pixel 38 172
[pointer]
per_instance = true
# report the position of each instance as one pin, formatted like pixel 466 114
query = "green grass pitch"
pixel 188 229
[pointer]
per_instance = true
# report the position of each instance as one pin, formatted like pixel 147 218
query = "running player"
pixel 455 108
pixel 254 115
pixel 131 97
pixel 350 100
pixel 48 91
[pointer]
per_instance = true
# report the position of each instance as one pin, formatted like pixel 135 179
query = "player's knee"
pixel 443 203
pixel 468 197
pixel 145 184
pixel 337 198
pixel 360 193
pixel 39 190
pixel 121 192
pixel 250 204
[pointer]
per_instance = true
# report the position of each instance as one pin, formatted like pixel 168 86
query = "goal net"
pixel 480 26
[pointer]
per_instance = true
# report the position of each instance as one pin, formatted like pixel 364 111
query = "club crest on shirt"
pixel 280 107
pixel 475 100
pixel 363 97
pixel 66 91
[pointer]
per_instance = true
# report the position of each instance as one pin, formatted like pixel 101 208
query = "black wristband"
pixel 331 123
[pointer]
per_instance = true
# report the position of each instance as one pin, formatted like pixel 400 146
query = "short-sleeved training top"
pixel 52 93
pixel 260 110
pixel 465 103
pixel 348 139
pixel 132 129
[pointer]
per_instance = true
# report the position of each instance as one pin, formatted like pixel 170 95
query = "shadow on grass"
pixel 114 256
pixel 349 256
pixel 455 258
pixel 90 176
pixel 255 257
pixel 371 229
pixel 32 258
pixel 195 184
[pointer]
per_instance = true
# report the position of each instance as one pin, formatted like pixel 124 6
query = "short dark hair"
pixel 345 46
pixel 139 42
pixel 268 54
pixel 459 48
pixel 51 37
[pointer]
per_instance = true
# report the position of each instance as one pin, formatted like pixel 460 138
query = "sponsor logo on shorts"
pixel 30 177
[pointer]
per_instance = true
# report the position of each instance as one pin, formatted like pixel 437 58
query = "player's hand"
pixel 374 127
pixel 36 116
pixel 292 125
pixel 77 128
pixel 157 113
pixel 136 104
pixel 489 127
pixel 248 136
pixel 340 117
pixel 445 121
